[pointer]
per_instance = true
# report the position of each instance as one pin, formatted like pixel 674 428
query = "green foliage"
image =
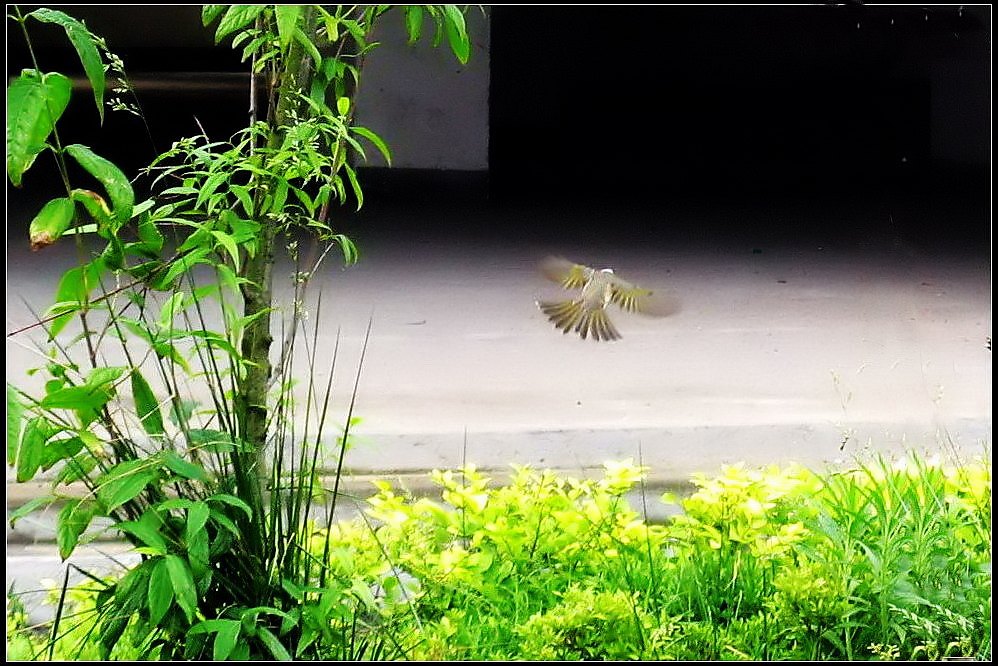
pixel 220 528
pixel 548 567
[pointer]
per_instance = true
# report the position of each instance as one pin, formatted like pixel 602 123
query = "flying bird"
pixel 587 313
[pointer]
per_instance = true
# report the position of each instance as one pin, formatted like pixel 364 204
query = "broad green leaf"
pixel 236 18
pixel 277 650
pixel 72 521
pixel 150 234
pixel 197 518
pixel 242 193
pixel 146 405
pixel 74 287
pixel 225 640
pixel 309 46
pixel 457 33
pixel 377 141
pixel 15 416
pixel 211 12
pixel 78 467
pixel 231 500
pixel 226 634
pixel 181 266
pixel 86 47
pixel 210 441
pixel 287 19
pixel 171 307
pixel 227 242
pixel 34 103
pixel 97 206
pixel 183 468
pixel 29 508
pixel 100 376
pixel 413 22
pixel 343 105
pixel 114 181
pixel 51 223
pixel 146 532
pixel 32 447
pixel 76 397
pixel 59 450
pixel 183 585
pixel 124 482
pixel 160 592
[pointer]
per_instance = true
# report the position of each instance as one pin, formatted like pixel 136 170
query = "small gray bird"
pixel 587 314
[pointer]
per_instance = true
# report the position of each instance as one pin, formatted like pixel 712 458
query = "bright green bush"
pixel 883 561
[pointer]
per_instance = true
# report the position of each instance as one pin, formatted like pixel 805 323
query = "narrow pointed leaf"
pixel 183 585
pixel 86 47
pixel 73 520
pixel 160 592
pixel 287 18
pixel 146 405
pixel 15 417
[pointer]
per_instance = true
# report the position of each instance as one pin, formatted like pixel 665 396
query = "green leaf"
pixel 160 592
pixel 51 223
pixel 357 192
pixel 210 441
pixel 376 140
pixel 197 518
pixel 123 482
pixel 287 19
pixel 413 22
pixel 145 531
pixel 146 405
pixel 15 417
pixel 236 17
pixel 181 266
pixel 76 468
pixel 74 287
pixel 100 376
pixel 149 234
pixel 29 508
pixel 457 33
pixel 34 103
pixel 76 397
pixel 343 105
pixel 31 451
pixel 231 500
pixel 309 47
pixel 277 650
pixel 86 47
pixel 242 193
pixel 114 181
pixel 183 585
pixel 60 449
pixel 72 521
pixel 227 242
pixel 97 206
pixel 211 12
pixel 183 468
pixel 226 634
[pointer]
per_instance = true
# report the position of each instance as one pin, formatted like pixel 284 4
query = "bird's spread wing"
pixel 566 273
pixel 632 298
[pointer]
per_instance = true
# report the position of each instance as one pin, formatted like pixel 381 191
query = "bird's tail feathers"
pixel 571 315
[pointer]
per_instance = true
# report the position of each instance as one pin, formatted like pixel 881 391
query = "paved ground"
pixel 789 346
